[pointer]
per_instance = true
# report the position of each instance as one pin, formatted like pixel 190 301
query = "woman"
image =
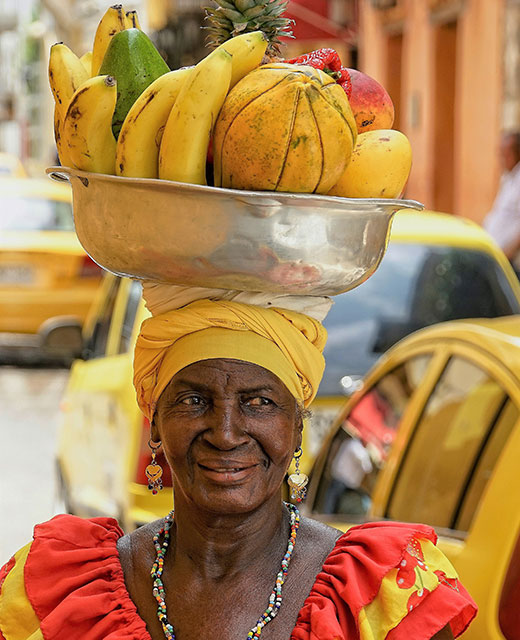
pixel 225 385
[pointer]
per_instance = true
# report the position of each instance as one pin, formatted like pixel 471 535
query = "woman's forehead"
pixel 228 371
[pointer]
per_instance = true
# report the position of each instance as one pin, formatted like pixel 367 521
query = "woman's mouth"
pixel 226 474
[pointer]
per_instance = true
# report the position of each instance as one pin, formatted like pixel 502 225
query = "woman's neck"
pixel 221 546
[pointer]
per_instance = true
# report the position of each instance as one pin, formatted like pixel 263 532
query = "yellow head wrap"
pixel 287 343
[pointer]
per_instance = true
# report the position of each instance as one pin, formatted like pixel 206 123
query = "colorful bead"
pixel 275 599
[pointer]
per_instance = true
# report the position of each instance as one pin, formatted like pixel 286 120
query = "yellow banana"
pixel 63 155
pixel 137 152
pixel 87 129
pixel 187 133
pixel 113 21
pixel 66 75
pixel 86 61
pixel 132 21
pixel 247 50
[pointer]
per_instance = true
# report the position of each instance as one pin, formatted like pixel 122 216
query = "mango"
pixel 379 166
pixel 370 103
pixel 283 127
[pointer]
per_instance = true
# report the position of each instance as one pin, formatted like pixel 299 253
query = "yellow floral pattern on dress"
pixel 422 568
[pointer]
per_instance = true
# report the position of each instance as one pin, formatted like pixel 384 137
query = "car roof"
pixel 499 337
pixel 36 188
pixel 434 227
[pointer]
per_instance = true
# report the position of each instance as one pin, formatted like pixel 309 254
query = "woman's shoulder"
pixel 387 579
pixel 65 580
pixel 319 534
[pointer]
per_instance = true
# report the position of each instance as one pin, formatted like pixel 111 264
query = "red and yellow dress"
pixel 381 580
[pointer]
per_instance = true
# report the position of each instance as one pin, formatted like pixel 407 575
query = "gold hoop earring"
pixel 297 481
pixel 154 470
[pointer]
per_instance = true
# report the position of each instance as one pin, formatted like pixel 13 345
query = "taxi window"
pixel 415 286
pixel 360 448
pixel 97 344
pixel 132 304
pixel 493 446
pixel 35 214
pixel 453 448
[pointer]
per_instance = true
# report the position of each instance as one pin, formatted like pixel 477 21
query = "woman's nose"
pixel 225 427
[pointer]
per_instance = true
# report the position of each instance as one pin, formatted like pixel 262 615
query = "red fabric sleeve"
pixel 351 578
pixel 74 581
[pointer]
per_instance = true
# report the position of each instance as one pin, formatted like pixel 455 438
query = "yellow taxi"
pixel 436 267
pixel 434 437
pixel 45 275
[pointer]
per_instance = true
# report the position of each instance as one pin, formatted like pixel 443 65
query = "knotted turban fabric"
pixel 287 343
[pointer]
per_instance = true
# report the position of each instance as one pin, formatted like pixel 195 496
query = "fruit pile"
pixel 241 118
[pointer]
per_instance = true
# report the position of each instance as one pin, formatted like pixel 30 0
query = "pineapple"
pixel 229 18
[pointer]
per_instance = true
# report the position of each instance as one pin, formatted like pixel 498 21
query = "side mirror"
pixel 62 337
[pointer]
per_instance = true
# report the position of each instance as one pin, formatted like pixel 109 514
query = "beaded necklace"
pixel 275 599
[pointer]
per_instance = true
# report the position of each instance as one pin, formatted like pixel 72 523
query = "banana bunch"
pixel 166 128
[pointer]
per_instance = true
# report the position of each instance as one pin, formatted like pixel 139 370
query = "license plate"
pixel 16 274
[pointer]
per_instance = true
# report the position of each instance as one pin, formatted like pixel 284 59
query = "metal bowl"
pixel 178 233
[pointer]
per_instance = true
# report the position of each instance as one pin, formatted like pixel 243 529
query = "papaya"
pixel 283 127
pixel 132 59
pixel 379 166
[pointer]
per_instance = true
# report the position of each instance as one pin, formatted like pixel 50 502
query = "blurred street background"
pixel 28 422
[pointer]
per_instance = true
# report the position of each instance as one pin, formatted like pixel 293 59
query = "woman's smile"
pixel 224 474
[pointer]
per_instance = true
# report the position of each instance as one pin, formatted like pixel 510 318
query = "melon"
pixel 283 127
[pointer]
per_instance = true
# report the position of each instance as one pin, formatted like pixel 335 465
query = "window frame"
pixel 493 367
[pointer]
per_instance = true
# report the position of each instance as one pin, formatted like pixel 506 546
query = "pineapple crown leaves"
pixel 229 18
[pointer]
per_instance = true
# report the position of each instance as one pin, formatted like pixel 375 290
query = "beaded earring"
pixel 154 470
pixel 297 481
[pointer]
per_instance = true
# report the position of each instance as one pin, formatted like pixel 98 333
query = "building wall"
pixel 450 93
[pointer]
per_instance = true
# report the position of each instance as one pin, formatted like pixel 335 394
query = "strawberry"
pixel 329 61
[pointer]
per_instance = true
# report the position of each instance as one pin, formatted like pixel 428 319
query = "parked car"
pixel 434 437
pixel 433 264
pixel 438 267
pixel 46 278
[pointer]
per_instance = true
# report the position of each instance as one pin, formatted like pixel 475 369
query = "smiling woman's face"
pixel 229 430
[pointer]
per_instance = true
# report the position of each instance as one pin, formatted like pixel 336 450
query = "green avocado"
pixel 133 60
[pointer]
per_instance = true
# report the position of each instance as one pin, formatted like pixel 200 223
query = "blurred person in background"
pixel 503 220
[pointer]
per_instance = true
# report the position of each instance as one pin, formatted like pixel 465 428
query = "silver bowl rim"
pixel 266 198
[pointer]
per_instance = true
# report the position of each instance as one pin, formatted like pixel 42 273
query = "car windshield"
pixel 34 214
pixel 415 286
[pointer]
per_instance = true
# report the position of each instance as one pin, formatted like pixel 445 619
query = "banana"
pixel 132 21
pixel 186 137
pixel 87 128
pixel 86 61
pixel 64 156
pixel 66 75
pixel 247 50
pixel 113 21
pixel 137 152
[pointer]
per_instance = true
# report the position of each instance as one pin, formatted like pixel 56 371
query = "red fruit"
pixel 372 106
pixel 329 61
pixel 324 59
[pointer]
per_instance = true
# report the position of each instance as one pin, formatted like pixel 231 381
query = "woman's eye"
pixel 259 401
pixel 192 400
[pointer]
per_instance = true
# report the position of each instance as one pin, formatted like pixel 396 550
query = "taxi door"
pixel 99 415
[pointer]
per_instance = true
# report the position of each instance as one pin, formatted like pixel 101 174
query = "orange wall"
pixel 472 110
